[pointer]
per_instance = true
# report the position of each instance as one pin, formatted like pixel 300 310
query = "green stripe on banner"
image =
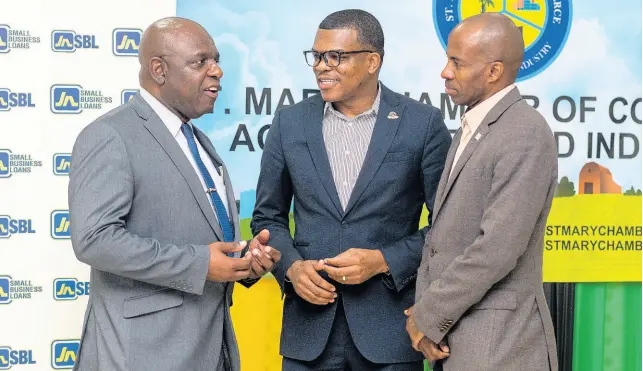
pixel 607 327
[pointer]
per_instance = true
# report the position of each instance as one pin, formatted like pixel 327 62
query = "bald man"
pixel 479 302
pixel 154 215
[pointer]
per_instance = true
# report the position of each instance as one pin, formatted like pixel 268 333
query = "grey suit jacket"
pixel 479 285
pixel 141 220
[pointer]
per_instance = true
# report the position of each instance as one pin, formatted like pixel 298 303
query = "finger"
pixel 444 347
pixel 257 269
pixel 239 264
pixel 338 274
pixel 241 275
pixel 230 247
pixel 340 260
pixel 435 353
pixel 273 254
pixel 310 297
pixel 317 290
pixel 319 265
pixel 262 259
pixel 320 281
pixel 263 237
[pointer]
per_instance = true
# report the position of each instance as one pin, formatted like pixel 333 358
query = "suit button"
pixel 432 252
pixel 344 225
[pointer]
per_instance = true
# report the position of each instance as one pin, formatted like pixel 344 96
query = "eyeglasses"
pixel 332 58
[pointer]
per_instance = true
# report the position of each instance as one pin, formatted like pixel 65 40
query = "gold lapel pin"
pixel 392 115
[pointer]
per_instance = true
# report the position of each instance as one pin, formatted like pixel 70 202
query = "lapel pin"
pixel 478 136
pixel 392 115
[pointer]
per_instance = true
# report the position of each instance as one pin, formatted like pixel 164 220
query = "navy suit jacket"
pixel 400 174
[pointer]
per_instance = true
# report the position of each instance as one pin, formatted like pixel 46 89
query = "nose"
pixel 447 73
pixel 321 67
pixel 215 70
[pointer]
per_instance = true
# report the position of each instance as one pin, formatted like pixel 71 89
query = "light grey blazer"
pixel 141 220
pixel 480 281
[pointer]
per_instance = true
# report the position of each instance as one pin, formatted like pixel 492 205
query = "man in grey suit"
pixel 360 162
pixel 480 303
pixel 154 215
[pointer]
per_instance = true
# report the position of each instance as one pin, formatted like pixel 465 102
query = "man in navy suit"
pixel 360 161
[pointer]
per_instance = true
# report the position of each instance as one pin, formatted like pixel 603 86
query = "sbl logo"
pixel 70 288
pixel 10 357
pixel 69 41
pixel 9 226
pixel 9 100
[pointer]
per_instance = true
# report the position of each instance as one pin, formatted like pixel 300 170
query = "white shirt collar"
pixel 171 121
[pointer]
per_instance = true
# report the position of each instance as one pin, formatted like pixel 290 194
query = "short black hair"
pixel 369 30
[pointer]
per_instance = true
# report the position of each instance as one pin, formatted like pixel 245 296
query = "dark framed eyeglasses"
pixel 332 58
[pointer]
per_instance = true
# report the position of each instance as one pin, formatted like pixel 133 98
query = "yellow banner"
pixel 593 238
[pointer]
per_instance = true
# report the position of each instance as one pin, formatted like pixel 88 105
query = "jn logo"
pixel 5 297
pixel 127 95
pixel 10 357
pixel 4 164
pixel 4 227
pixel 9 99
pixel 62 163
pixel 60 224
pixel 4 38
pixel 69 41
pixel 69 288
pixel 65 99
pixel 4 99
pixel 125 41
pixel 63 353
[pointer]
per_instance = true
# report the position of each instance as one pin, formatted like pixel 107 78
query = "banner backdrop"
pixel 581 71
pixel 64 63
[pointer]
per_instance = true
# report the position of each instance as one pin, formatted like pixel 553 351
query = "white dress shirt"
pixel 173 124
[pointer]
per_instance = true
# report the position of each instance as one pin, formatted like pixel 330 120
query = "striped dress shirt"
pixel 347 141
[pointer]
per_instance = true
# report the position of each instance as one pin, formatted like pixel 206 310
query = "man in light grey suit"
pixel 148 195
pixel 479 302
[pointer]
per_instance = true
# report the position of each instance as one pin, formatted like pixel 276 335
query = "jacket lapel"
pixel 383 134
pixel 159 131
pixel 476 138
pixel 313 129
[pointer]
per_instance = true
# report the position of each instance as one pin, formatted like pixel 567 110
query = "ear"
pixel 374 62
pixel 496 70
pixel 158 69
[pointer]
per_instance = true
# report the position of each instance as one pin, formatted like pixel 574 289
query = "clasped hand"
pixel 352 267
pixel 259 260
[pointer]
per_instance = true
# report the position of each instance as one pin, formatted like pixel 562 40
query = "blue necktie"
pixel 224 221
